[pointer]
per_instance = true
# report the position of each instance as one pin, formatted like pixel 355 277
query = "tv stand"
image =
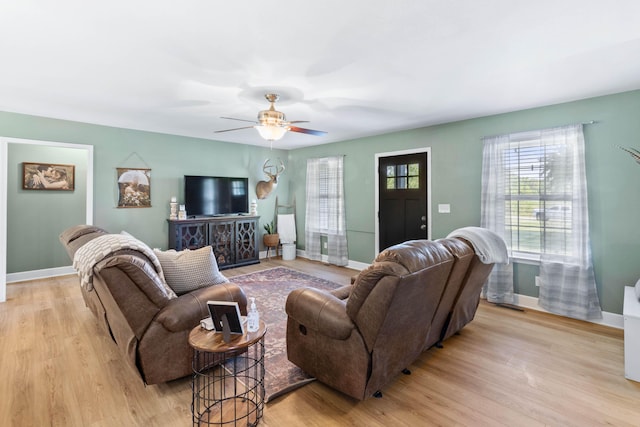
pixel 234 238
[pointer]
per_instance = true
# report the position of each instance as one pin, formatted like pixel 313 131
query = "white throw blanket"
pixel 490 247
pixel 287 228
pixel 99 248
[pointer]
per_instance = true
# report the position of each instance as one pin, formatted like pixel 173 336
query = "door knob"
pixel 423 227
pixel 423 218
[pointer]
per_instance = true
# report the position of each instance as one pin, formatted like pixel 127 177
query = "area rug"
pixel 270 288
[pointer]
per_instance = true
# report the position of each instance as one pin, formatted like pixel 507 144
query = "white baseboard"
pixel 39 274
pixel 356 265
pixel 608 319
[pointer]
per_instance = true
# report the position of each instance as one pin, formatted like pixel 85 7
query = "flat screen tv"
pixel 215 195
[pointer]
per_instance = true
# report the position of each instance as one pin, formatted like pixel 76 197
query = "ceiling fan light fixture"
pixel 272 124
pixel 271 132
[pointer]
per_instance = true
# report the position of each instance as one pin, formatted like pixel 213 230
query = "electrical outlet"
pixel 537 281
pixel 324 245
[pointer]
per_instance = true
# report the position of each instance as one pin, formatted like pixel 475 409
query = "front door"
pixel 402 198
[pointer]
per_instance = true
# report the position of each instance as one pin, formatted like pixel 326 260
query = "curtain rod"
pixel 590 122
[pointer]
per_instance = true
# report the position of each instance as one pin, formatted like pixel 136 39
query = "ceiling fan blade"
pixel 240 120
pixel 228 130
pixel 299 121
pixel 309 131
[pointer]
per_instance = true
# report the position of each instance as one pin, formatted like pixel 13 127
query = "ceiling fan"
pixel 272 124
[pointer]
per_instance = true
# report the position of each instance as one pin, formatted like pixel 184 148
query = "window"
pixel 538 197
pixel 326 199
pixel 534 195
pixel 529 194
pixel 323 198
pixel 325 211
pixel 403 177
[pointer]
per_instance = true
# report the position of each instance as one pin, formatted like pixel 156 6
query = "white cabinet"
pixel 631 314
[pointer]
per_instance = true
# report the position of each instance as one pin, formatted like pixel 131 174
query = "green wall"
pixel 35 217
pixel 456 164
pixel 169 158
pixel 456 151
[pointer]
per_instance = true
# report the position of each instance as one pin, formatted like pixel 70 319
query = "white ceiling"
pixel 352 68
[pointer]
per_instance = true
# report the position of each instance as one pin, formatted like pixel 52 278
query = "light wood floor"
pixel 505 368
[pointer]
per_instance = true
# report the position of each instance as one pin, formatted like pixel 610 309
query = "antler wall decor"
pixel 264 188
pixel 632 152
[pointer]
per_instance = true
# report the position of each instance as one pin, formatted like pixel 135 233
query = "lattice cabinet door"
pixel 221 238
pixel 190 236
pixel 246 240
pixel 234 239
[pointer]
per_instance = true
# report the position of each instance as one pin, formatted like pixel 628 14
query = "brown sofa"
pixel 149 327
pixel 359 338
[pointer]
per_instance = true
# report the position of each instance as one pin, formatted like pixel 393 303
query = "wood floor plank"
pixel 506 368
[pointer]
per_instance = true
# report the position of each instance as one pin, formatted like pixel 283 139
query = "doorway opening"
pixel 4 162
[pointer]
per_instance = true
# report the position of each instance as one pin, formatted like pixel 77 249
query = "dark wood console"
pixel 234 238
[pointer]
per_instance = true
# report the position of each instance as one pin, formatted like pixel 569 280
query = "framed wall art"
pixel 134 188
pixel 48 176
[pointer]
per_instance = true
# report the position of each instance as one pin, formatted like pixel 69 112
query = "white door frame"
pixel 4 162
pixel 377 188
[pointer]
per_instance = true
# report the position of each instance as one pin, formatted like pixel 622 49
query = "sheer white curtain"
pixel 499 286
pixel 545 169
pixel 568 285
pixel 325 210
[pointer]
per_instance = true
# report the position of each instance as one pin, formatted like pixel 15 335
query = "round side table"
pixel 228 378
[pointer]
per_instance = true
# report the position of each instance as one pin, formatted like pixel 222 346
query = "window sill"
pixel 522 258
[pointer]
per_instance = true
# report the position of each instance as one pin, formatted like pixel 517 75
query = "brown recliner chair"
pixel 150 328
pixel 360 344
pixel 466 303
pixel 463 255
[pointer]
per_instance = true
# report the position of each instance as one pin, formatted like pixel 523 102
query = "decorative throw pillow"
pixel 188 270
